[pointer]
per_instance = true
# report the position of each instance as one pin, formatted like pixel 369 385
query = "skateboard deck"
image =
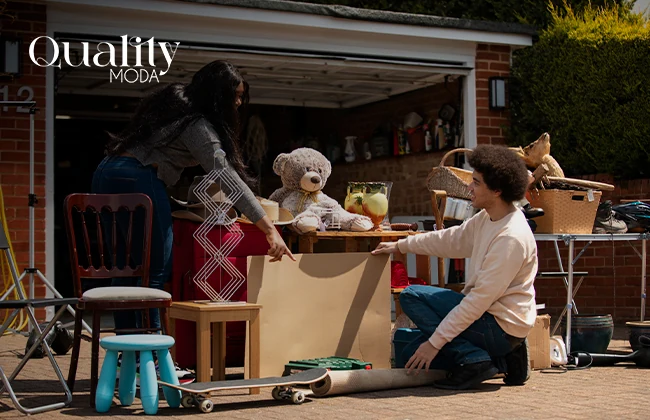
pixel 196 394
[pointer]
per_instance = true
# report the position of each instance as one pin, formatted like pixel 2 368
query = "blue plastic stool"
pixel 128 345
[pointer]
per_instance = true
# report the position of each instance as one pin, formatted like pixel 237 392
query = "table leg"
pixel 172 332
pixel 203 349
pixel 569 298
pixel 643 277
pixel 423 267
pixel 254 348
pixel 218 351
pixel 306 244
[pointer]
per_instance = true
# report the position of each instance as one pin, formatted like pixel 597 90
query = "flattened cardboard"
pixel 539 343
pixel 322 305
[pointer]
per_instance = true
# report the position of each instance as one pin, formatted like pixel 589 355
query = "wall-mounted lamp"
pixel 11 57
pixel 498 91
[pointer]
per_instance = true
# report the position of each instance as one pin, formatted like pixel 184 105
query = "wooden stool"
pixel 213 317
pixel 128 345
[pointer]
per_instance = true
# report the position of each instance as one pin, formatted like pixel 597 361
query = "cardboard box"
pixel 322 305
pixel 539 343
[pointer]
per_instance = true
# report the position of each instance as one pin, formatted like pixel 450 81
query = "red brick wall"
pixel 30 22
pixel 491 61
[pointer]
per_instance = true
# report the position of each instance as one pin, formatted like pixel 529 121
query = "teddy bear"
pixel 304 173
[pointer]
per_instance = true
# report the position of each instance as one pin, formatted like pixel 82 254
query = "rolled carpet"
pixel 352 381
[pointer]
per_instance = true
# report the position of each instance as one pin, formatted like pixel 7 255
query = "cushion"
pixel 125 293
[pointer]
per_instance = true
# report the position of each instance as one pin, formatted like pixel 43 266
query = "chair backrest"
pixel 101 229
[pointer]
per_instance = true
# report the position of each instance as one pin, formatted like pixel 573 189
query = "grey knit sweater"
pixel 197 144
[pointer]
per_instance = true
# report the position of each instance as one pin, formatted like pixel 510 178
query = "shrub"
pixel 586 83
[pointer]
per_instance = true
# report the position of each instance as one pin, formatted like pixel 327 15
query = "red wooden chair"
pixel 93 220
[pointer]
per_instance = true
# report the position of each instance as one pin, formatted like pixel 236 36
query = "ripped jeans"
pixel 122 174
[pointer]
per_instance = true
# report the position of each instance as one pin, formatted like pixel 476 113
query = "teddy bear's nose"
pixel 315 180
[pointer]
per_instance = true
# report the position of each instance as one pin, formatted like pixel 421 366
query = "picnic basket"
pixel 450 179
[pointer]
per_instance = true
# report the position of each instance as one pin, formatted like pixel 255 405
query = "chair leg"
pixel 164 321
pixel 76 344
pixel 94 357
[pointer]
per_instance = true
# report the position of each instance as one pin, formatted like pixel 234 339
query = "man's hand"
pixel 386 248
pixel 422 358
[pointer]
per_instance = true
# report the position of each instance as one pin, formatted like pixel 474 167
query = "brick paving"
pixel 596 393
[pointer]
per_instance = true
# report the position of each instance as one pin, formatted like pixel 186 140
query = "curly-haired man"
pixel 481 331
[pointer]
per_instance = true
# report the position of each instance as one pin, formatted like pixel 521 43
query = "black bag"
pixel 58 338
pixel 40 352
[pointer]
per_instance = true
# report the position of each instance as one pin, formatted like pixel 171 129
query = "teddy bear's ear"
pixel 279 162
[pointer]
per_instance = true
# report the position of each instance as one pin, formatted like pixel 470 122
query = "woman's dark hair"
pixel 502 170
pixel 163 115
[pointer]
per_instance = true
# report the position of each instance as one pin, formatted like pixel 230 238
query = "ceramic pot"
pixel 350 152
pixel 354 199
pixel 375 202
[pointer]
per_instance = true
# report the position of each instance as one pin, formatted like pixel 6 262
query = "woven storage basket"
pixel 565 211
pixel 450 179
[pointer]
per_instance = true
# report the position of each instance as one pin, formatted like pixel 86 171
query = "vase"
pixel 354 198
pixel 375 202
pixel 350 153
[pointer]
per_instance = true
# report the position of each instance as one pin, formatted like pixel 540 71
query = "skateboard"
pixel 198 394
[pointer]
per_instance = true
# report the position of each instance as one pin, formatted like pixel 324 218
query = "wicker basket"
pixel 565 211
pixel 450 179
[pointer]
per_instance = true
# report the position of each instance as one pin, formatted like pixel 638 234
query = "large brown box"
pixel 539 343
pixel 565 211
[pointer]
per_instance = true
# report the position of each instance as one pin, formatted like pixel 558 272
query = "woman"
pixel 180 126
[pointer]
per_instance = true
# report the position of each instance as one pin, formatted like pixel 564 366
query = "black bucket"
pixel 591 333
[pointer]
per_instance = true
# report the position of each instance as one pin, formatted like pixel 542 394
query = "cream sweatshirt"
pixel 499 278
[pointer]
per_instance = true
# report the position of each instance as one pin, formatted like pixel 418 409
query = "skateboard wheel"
pixel 206 406
pixel 276 393
pixel 188 401
pixel 298 397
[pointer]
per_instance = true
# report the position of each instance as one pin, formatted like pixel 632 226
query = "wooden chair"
pixel 439 204
pixel 112 216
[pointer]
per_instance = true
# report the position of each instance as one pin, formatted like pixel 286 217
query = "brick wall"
pixel 30 22
pixel 491 61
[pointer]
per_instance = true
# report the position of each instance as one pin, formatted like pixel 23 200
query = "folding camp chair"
pixel 28 305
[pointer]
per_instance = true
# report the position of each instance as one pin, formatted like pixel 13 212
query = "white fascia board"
pixel 199 29
pixel 298 23
pixel 305 20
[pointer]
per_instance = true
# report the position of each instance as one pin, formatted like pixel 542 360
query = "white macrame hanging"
pixel 217 214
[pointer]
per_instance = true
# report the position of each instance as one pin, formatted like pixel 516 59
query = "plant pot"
pixel 591 333
pixel 638 329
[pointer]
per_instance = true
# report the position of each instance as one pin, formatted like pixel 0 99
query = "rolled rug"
pixel 352 381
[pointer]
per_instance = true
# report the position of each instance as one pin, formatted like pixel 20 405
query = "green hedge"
pixel 587 82
pixel 532 12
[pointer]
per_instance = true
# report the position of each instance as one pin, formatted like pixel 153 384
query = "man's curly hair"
pixel 502 170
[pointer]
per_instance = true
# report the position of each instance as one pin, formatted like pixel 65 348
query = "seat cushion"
pixel 125 293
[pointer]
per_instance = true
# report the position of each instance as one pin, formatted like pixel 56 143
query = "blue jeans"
pixel 121 174
pixel 482 341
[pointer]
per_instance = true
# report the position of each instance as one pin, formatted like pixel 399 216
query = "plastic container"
pixel 330 363
pixel 402 337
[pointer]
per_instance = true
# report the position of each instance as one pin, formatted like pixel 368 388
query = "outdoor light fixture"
pixel 498 93
pixel 11 62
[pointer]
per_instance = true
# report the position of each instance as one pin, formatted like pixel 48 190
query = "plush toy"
pixel 538 152
pixel 304 173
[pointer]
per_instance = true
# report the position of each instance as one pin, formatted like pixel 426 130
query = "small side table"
pixel 212 318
